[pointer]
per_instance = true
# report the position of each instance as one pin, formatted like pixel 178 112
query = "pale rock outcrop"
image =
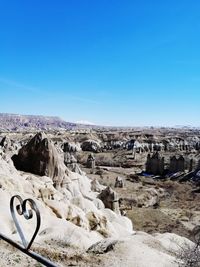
pixel 69 159
pixel 96 186
pixel 71 163
pixel 71 212
pixel 110 199
pixel 5 142
pixel 150 197
pixel 8 146
pixel 143 250
pixel 61 213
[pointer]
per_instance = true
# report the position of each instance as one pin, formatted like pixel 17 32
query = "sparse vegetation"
pixel 189 254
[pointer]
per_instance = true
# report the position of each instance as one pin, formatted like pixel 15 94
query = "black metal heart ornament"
pixel 22 209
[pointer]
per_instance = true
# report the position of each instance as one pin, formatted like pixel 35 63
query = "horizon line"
pixel 102 125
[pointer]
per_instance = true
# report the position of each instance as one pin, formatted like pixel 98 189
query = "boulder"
pixel 102 246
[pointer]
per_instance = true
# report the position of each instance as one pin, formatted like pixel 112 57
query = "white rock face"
pixel 72 213
pixel 144 250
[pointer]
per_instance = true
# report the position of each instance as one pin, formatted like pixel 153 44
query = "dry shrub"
pixel 189 255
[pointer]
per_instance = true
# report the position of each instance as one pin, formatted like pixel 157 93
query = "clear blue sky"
pixel 112 62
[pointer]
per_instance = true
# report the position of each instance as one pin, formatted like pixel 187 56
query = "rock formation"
pixel 91 161
pixel 71 163
pixel 119 182
pixel 71 147
pixel 177 165
pixel 155 164
pixel 110 199
pixel 96 186
pixel 67 194
pixel 5 142
pixel 40 157
pixel 69 160
pixel 91 145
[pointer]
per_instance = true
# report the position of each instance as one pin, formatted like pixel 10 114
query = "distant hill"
pixel 16 122
pixel 30 123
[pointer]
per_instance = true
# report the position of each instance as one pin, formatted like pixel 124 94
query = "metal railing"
pixel 26 208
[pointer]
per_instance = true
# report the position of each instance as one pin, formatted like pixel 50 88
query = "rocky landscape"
pixel 107 196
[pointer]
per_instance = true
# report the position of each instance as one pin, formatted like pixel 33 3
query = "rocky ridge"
pixel 25 123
